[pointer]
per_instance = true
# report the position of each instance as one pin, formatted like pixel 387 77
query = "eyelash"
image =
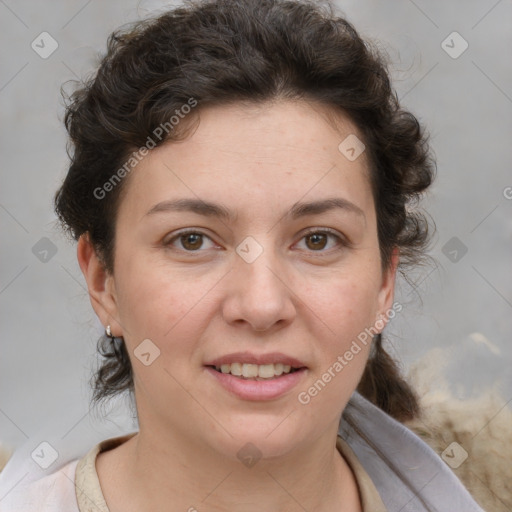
pixel 342 242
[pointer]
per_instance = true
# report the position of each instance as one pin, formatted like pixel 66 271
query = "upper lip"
pixel 250 358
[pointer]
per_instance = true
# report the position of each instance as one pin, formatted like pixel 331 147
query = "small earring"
pixel 108 332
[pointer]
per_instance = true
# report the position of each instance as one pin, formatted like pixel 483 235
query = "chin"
pixel 262 439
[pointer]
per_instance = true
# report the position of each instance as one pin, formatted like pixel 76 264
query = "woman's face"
pixel 265 284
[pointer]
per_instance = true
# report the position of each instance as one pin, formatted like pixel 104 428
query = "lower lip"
pixel 248 389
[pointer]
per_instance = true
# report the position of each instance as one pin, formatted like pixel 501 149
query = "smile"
pixel 257 388
pixel 255 371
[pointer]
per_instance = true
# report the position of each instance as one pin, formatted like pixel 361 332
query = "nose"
pixel 258 293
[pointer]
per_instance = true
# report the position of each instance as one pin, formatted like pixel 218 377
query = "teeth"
pixel 255 371
pixel 225 368
pixel 265 371
pixel 249 370
pixel 236 369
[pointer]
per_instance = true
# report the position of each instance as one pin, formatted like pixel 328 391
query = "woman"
pixel 242 191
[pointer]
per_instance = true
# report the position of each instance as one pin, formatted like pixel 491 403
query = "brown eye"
pixel 189 241
pixel 316 241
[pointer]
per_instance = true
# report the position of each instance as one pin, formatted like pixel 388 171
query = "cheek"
pixel 161 304
pixel 345 306
pixel 167 309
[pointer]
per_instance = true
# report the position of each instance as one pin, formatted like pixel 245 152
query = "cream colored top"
pixel 90 496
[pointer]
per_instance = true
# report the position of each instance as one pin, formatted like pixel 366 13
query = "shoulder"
pixel 51 493
pixel 407 472
pixel 25 487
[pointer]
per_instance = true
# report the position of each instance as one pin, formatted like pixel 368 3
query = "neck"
pixel 191 476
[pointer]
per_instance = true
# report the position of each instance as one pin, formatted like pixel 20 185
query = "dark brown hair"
pixel 224 51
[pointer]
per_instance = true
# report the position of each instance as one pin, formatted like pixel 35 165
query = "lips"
pixel 266 387
pixel 259 359
pixel 258 389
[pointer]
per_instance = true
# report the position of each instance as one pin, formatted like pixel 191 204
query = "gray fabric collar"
pixel 408 474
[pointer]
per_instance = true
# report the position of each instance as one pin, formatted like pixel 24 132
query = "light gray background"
pixel 48 329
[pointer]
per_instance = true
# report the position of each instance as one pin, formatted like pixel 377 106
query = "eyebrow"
pixel 298 210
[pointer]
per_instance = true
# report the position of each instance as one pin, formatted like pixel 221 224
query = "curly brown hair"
pixel 226 51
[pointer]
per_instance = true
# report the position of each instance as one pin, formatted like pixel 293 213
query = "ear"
pixel 100 284
pixel 387 290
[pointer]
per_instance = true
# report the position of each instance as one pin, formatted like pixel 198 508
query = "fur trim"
pixel 481 427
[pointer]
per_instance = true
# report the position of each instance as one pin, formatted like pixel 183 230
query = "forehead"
pixel 255 156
